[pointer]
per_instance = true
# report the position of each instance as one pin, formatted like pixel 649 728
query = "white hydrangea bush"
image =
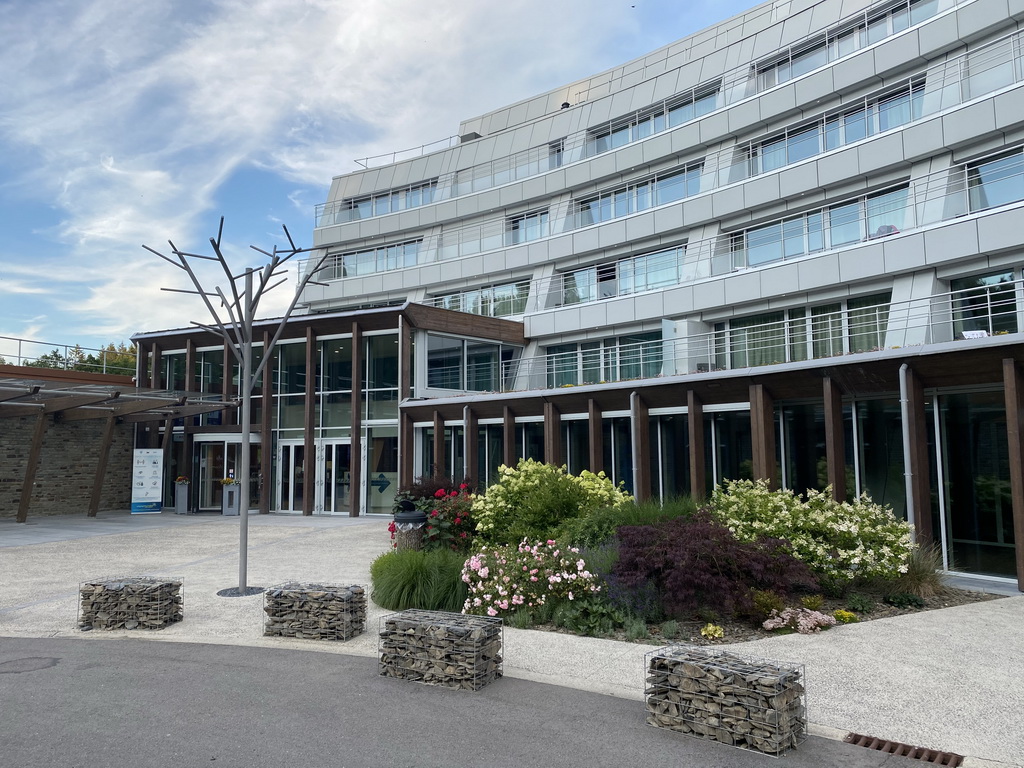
pixel 840 540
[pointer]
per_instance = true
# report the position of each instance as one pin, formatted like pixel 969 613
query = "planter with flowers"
pixel 230 498
pixel 181 488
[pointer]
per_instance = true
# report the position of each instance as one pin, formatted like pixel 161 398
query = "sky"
pixel 127 123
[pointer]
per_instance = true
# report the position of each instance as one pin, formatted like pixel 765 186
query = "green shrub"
pixel 839 541
pixel 845 617
pixel 923 577
pixel 812 602
pixel 531 500
pixel 591 616
pixel 904 600
pixel 431 580
pixel 636 629
pixel 859 603
pixel 764 602
pixel 599 526
pixel 670 629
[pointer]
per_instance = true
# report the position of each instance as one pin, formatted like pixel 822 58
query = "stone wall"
pixel 67 467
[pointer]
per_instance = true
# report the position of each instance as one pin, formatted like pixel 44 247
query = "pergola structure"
pixel 56 399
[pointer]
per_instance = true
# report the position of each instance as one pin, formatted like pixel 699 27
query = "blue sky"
pixel 127 123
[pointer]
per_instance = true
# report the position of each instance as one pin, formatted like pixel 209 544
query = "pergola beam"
pixel 31 465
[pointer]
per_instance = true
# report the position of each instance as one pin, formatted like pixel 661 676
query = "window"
pixel 985 303
pixel 493 301
pixel 633 275
pixel 650 121
pixel 590 362
pixel 469 364
pixel 690 109
pixel 837 328
pixel 996 182
pixel 659 190
pixel 387 202
pixel 371 260
pixel 526 227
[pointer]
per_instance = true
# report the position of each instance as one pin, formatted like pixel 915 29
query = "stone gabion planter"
pixel 315 611
pixel 438 648
pixel 737 700
pixel 131 602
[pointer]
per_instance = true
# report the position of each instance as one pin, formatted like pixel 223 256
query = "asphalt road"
pixel 116 702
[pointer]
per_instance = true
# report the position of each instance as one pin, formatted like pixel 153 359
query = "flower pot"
pixel 181 498
pixel 229 500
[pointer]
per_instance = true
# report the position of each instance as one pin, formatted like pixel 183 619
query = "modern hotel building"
pixel 785 247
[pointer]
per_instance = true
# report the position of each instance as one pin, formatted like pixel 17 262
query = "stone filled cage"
pixel 313 611
pixel 131 602
pixel 439 648
pixel 742 701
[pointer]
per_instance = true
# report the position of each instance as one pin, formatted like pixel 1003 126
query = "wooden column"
pixel 440 465
pixel 154 367
pixel 309 433
pixel 835 442
pixel 640 422
pixel 190 366
pixel 552 435
pixel 356 452
pixel 1013 386
pixel 167 445
pixel 31 466
pixel 267 445
pixel 101 464
pixel 920 465
pixel 471 441
pixel 695 432
pixel 509 437
pixel 762 434
pixel 406 432
pixel 596 436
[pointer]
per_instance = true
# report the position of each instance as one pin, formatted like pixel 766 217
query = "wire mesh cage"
pixel 311 611
pixel 439 648
pixel 131 602
pixel 742 701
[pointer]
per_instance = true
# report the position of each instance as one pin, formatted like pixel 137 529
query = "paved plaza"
pixel 942 679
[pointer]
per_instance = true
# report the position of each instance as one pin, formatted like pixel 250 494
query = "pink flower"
pixel 491 611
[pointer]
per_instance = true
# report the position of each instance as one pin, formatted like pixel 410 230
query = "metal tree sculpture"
pixel 236 330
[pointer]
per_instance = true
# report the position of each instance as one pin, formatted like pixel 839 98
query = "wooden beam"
pixel 356 452
pixel 101 465
pixel 31 466
pixel 173 412
pixel 126 407
pixel 440 465
pixel 509 437
pixel 406 454
pixel 68 402
pixel 190 366
pixel 552 434
pixel 154 366
pixel 225 385
pixel 471 439
pixel 835 440
pixel 640 424
pixel 17 410
pixel 15 392
pixel 920 466
pixel 406 431
pixel 267 446
pixel 596 436
pixel 762 435
pixel 405 361
pixel 1013 392
pixel 308 433
pixel 695 434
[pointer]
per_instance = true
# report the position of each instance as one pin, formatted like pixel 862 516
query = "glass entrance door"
pixel 291 468
pixel 333 492
pixel 216 461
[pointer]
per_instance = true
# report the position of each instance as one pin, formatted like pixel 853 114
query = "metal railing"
pixel 802 334
pixel 732 87
pixel 408 154
pixel 44 354
pixel 990 68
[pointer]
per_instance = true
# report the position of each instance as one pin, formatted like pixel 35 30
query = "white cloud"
pixel 131 116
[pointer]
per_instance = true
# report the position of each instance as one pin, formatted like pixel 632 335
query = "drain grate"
pixel 933 756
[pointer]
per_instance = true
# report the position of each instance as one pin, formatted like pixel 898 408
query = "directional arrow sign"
pixel 381 483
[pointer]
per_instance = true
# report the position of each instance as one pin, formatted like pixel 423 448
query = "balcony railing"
pixel 964 315
pixel 44 354
pixel 734 86
pixel 985 70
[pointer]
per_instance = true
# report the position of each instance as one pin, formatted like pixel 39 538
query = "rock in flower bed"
pixel 439 648
pixel 130 603
pixel 741 701
pixel 315 611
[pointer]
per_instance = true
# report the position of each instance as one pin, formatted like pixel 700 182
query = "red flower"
pixel 463 487
pixel 434 513
pixel 392 527
pixel 454 493
pixel 458 520
pixel 463 534
pixel 439 494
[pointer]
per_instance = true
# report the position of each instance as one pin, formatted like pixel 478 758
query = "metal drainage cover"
pixel 932 756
